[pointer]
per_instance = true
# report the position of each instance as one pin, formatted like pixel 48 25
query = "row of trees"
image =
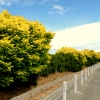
pixel 24 47
pixel 70 59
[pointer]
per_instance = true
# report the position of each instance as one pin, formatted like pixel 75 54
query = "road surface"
pixel 89 91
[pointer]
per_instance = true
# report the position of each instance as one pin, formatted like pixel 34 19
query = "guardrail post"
pixel 82 77
pixel 75 84
pixel 64 90
pixel 88 71
pixel 85 73
pixel 91 69
pixel 94 68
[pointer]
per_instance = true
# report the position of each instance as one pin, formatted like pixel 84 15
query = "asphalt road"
pixel 90 90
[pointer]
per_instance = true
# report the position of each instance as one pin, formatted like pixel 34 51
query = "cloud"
pixel 93 46
pixel 2 2
pixel 44 1
pixel 58 12
pixel 78 36
pixel 22 2
pixel 57 9
pixel 28 2
pixel 6 2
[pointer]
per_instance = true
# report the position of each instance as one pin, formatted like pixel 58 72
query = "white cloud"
pixel 69 8
pixel 8 2
pixel 56 12
pixel 28 2
pixel 94 46
pixel 57 7
pixel 44 1
pixel 60 12
pixel 22 2
pixel 5 2
pixel 77 36
pixel 2 2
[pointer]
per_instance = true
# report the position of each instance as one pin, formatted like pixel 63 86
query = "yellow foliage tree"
pixel 27 45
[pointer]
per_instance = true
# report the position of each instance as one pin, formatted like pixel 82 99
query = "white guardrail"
pixel 62 90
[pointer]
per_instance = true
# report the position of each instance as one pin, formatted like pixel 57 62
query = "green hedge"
pixel 70 59
pixel 91 57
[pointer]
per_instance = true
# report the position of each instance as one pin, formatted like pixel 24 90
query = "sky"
pixel 75 22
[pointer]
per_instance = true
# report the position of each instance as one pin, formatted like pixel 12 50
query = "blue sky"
pixel 75 22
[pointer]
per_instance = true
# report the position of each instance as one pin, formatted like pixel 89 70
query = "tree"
pixel 24 47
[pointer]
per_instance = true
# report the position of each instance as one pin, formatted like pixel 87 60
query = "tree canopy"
pixel 24 47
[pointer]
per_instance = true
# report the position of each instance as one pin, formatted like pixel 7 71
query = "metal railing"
pixel 65 86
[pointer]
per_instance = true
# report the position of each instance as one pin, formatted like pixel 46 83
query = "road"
pixel 89 91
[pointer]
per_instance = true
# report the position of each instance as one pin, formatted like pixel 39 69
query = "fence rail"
pixel 63 89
